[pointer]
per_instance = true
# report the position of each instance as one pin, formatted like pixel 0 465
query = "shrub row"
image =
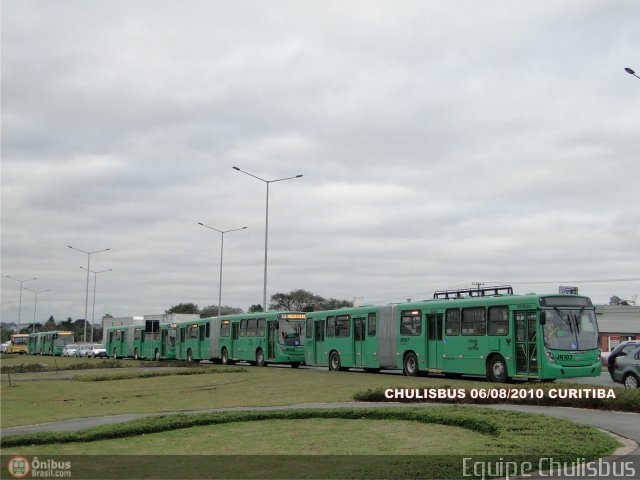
pixel 131 375
pixel 462 417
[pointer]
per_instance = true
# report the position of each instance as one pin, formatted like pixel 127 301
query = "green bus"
pixel 262 338
pixel 194 340
pixel 49 343
pixel 152 340
pixel 472 331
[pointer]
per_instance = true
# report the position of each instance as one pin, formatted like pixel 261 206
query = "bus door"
pixel 271 340
pixel 526 343
pixel 434 341
pixel 183 340
pixel 235 328
pixel 318 344
pixel 203 347
pixel 359 348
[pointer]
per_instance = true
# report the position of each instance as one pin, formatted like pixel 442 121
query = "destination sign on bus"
pixel 293 316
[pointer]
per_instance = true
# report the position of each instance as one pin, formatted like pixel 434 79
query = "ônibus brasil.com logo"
pixel 19 466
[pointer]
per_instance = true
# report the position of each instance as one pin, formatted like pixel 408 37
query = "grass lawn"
pixel 339 443
pixel 31 402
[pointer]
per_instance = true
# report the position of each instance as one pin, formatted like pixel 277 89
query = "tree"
pixel 212 311
pixel 255 308
pixel 304 301
pixel 50 324
pixel 183 308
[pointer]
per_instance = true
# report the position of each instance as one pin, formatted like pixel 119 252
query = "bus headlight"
pixel 549 355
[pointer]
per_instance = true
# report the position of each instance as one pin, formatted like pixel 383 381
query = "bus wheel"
pixel 497 371
pixel 135 354
pixel 410 365
pixel 156 355
pixel 189 356
pixel 260 359
pixel 334 361
pixel 630 381
pixel 225 357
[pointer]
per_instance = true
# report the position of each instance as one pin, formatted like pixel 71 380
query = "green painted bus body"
pixel 49 343
pixel 507 336
pixel 193 340
pixel 261 338
pixel 150 341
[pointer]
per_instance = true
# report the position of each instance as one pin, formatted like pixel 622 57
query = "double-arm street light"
pixel 20 282
pixel 266 227
pixel 631 72
pixel 86 298
pixel 95 281
pixel 35 306
pixel 222 232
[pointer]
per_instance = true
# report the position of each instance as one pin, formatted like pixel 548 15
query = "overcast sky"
pixel 442 143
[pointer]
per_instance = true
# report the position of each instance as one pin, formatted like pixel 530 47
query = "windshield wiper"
pixel 577 319
pixel 566 319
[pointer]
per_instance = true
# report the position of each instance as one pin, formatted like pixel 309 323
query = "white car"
pixel 83 350
pixel 97 350
pixel 70 350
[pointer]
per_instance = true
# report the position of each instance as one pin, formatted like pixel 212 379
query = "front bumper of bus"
pixel 565 371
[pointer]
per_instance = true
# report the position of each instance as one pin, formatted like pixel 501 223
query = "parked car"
pixel 623 349
pixel 69 350
pixel 626 369
pixel 83 350
pixel 4 346
pixel 97 350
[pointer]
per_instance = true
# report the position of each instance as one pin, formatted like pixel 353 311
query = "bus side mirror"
pixel 543 318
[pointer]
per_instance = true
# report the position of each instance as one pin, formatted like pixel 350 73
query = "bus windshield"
pixel 63 339
pixel 20 340
pixel 291 333
pixel 570 329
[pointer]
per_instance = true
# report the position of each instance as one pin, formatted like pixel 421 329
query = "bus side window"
pixel 208 330
pixel 473 321
pixel 453 322
pixel 225 329
pixel 371 327
pixel 243 328
pixel 309 331
pixel 411 323
pixel 498 321
pixel 331 326
pixel 260 331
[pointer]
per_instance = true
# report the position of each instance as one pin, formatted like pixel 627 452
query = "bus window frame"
pixel 471 326
pixel 455 322
pixel 497 323
pixel 372 332
pixel 343 326
pixel 413 315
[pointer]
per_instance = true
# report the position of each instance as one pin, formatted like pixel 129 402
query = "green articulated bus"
pixel 262 338
pixel 49 343
pixel 153 340
pixel 194 340
pixel 473 331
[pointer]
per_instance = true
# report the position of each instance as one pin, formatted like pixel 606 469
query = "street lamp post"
pixel 21 282
pixel 35 306
pixel 93 311
pixel 266 228
pixel 222 232
pixel 631 72
pixel 86 298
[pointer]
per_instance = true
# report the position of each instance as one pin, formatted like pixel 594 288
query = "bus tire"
pixel 135 354
pixel 260 359
pixel 334 361
pixel 410 365
pixel 630 381
pixel 189 356
pixel 156 355
pixel 497 369
pixel 225 357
